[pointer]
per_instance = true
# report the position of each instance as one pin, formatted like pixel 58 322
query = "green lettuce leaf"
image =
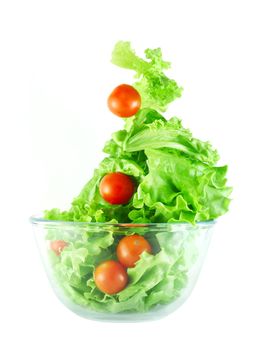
pixel 162 133
pixel 155 88
pixel 181 189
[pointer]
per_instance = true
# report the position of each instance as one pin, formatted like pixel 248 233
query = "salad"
pixel 155 172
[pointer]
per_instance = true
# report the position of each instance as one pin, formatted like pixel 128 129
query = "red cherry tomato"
pixel 58 246
pixel 116 188
pixel 130 248
pixel 110 277
pixel 124 101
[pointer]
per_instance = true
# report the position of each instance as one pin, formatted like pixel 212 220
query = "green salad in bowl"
pixel 132 244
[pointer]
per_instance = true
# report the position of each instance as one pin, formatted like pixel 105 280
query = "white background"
pixel 55 75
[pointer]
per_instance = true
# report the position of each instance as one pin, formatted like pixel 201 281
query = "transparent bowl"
pixel 158 284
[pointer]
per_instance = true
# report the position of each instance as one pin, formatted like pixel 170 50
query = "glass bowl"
pixel 158 284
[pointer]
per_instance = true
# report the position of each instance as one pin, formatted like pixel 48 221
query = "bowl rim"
pixel 39 220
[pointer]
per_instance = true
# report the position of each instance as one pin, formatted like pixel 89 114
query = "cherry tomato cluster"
pixel 117 188
pixel 111 276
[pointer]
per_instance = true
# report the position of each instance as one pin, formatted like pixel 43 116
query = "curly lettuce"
pixel 155 88
pixel 176 174
pixel 195 191
pixel 155 280
pixel 177 179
